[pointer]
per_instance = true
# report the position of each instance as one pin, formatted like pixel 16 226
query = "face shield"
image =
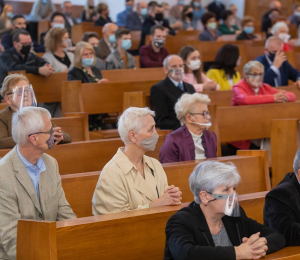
pixel 176 74
pixel 230 205
pixel 24 96
pixel 256 80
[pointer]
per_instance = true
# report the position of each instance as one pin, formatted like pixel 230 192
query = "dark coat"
pixel 42 37
pixel 216 9
pixel 163 97
pixel 188 236
pixel 68 26
pixel 133 22
pixel 244 36
pixel 84 19
pixel 101 21
pixel 282 209
pixel 78 74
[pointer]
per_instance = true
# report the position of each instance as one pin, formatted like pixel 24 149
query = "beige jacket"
pixel 121 187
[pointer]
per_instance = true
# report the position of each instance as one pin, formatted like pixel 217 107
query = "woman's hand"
pixel 209 85
pixel 171 197
pixel 102 80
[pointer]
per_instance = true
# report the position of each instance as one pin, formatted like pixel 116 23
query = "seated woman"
pixel 210 32
pixel 17 93
pixel 228 26
pixel 223 70
pixel 192 140
pixel 89 13
pixel 214 226
pixel 187 18
pixel 192 72
pixel 5 20
pixel 132 180
pixel 248 29
pixel 281 30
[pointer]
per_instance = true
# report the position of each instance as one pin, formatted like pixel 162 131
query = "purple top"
pixel 179 146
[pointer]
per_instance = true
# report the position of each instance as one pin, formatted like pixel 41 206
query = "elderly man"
pixel 134 20
pixel 282 208
pixel 67 9
pixel 277 69
pixel 295 17
pixel 164 95
pixel 121 17
pixel 107 44
pixel 30 184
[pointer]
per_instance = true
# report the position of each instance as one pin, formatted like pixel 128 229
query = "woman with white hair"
pixel 281 30
pixel 192 140
pixel 214 226
pixel 131 180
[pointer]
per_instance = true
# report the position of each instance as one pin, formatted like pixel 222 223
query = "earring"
pixel 205 205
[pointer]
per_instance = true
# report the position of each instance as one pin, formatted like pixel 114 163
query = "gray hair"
pixel 131 120
pixel 11 80
pixel 209 175
pixel 26 121
pixel 185 104
pixel 277 26
pixel 273 39
pixel 253 64
pixel 296 164
pixel 168 58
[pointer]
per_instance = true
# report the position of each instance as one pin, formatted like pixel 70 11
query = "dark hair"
pixel 185 8
pixel 122 31
pixel 17 16
pixel 152 3
pixel 156 27
pixel 184 54
pixel 16 34
pixel 296 5
pixel 56 14
pixel 89 35
pixel 225 14
pixel 226 59
pixel 206 17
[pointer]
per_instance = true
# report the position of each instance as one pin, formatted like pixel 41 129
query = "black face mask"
pixel 91 7
pixel 159 17
pixel 271 56
pixel 96 49
pixel 190 15
pixel 25 49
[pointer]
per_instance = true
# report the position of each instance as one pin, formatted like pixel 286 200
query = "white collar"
pixel 176 83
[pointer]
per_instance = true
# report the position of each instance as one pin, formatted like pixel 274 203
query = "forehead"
pixel 93 39
pixel 199 107
pixel 68 5
pixel 147 121
pixel 24 38
pixel 86 50
pixel 20 20
pixel 160 32
pixel 20 83
pixel 175 60
pixel 58 17
pixel 256 70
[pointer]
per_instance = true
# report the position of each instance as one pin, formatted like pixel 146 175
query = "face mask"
pixel 208 125
pixel 91 7
pixel 68 14
pixel 297 13
pixel 58 25
pixel 232 22
pixel 271 56
pixel 129 8
pixel 159 17
pixel 284 37
pixel 249 30
pixel 9 15
pixel 96 49
pixel 112 38
pixel 25 49
pixel 150 142
pixel 87 62
pixel 45 1
pixel 144 11
pixel 255 81
pixel 159 43
pixel 190 15
pixel 197 5
pixel 176 74
pixel 212 26
pixel 126 44
pixel 181 2
pixel 194 64
pixel 50 141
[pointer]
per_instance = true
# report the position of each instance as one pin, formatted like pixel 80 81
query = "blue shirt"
pixel 121 17
pixel 34 171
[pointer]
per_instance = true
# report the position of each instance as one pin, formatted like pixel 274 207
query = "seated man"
pixel 134 21
pixel 20 58
pixel 153 54
pixel 30 184
pixel 164 95
pixel 282 208
pixel 277 69
pixel 120 58
pixel 67 10
pixel 122 16
pixel 295 17
pixel 107 44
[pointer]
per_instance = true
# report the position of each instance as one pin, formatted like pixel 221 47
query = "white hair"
pixel 168 58
pixel 271 40
pixel 131 120
pixel 277 26
pixel 253 64
pixel 26 121
pixel 209 175
pixel 296 164
pixel 186 102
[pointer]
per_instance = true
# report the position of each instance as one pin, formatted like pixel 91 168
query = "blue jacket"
pixel 287 72
pixel 133 22
pixel 121 17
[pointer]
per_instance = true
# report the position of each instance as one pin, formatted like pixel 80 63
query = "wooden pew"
pixel 43 26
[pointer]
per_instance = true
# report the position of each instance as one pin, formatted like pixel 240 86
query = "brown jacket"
pixel 6 140
pixel 103 51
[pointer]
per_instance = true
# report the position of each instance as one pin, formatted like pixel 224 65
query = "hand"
pixel 238 32
pixel 177 25
pixel 297 83
pixel 102 80
pixel 174 192
pixel 171 197
pixel 280 97
pixel 58 135
pixel 1 47
pixel 46 70
pixel 220 39
pixel 71 49
pixel 190 29
pixel 279 59
pixel 210 85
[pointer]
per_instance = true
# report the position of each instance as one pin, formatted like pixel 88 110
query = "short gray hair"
pixel 273 39
pixel 277 26
pixel 209 175
pixel 253 64
pixel 296 164
pixel 26 121
pixel 168 58
pixel 131 120
pixel 185 104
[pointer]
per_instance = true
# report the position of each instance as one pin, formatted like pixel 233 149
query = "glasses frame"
pixel 48 132
pixel 204 114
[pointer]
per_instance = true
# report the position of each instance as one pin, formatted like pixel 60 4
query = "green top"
pixel 223 28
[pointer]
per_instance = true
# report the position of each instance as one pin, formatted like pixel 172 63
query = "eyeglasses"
pixel 205 114
pixel 256 75
pixel 49 132
pixel 27 44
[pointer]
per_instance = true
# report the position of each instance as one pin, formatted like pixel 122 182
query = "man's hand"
pixel 279 59
pixel 297 83
pixel 46 70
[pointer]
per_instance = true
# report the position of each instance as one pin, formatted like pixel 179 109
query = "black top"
pixel 80 74
pixel 188 235
pixel 217 9
pixel 101 21
pixel 245 36
pixel 65 60
pixel 282 209
pixel 266 22
pixel 84 19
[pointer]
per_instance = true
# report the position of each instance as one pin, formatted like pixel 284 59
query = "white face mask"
pixel 208 125
pixel 284 37
pixel 194 64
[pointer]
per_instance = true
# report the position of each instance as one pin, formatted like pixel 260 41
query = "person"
pixel 155 17
pixel 67 9
pixel 198 11
pixel 104 18
pixel 295 17
pixel 277 69
pixel 282 209
pixel 174 24
pixel 281 30
pixel 40 10
pixel 20 58
pixel 248 29
pixel 131 180
pixel 228 26
pixel 210 32
pixel 192 73
pixel 107 44
pixel 5 20
pixel 134 20
pixel 266 21
pixel 13 87
pixel 223 70
pixel 251 90
pixel 164 94
pixel 121 58
pixel 187 18
pixel 153 54
pixel 176 10
pixel 237 20
pixel 30 180
pixel 213 226
pixel 89 13
pixel 122 16
pixel 217 8
pixel 192 140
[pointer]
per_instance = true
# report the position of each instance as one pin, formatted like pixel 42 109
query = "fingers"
pixel 169 188
pixel 253 238
pixel 245 239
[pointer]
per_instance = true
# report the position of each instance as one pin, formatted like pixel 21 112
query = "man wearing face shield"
pixel 164 95
pixel 213 226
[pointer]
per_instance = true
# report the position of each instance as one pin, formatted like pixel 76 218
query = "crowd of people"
pixel 213 226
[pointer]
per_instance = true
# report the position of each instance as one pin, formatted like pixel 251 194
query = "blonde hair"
pixel 87 9
pixel 4 11
pixel 53 38
pixel 78 52
pixel 185 104
pixel 11 80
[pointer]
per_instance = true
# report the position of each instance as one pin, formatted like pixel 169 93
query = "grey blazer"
pixel 115 62
pixel 19 200
pixel 56 64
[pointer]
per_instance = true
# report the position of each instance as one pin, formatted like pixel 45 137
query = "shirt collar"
pixel 39 164
pixel 268 59
pixel 176 83
pixel 195 137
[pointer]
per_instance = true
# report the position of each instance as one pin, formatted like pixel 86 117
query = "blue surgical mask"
pixel 129 8
pixel 9 14
pixel 181 2
pixel 144 11
pixel 126 44
pixel 112 38
pixel 59 25
pixel 45 1
pixel 197 4
pixel 87 62
pixel 249 30
pixel 296 13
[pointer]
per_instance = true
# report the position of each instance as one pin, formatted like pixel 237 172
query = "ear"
pixel 166 70
pixel 6 98
pixel 151 38
pixel 245 75
pixel 33 139
pixel 188 118
pixel 266 51
pixel 203 197
pixel 131 136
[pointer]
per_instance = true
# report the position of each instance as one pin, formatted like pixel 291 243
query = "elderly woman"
pixel 132 180
pixel 228 26
pixel 192 140
pixel 281 30
pixel 248 29
pixel 214 226
pixel 5 20
pixel 18 93
pixel 210 32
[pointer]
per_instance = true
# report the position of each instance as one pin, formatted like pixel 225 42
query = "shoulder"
pixel 283 191
pixel 111 170
pixel 145 48
pixel 209 134
pixel 160 85
pixel 6 115
pixel 186 216
pixel 48 159
pixel 70 55
pixel 261 59
pixel 214 72
pixel 48 54
pixel 6 165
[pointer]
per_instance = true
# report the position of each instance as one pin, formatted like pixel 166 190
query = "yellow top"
pixel 219 77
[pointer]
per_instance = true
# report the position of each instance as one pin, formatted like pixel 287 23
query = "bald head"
pixel 109 29
pixel 275 4
pixel 172 63
pixel 172 60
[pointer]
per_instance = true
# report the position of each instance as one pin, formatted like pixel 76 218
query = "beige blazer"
pixel 19 200
pixel 121 187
